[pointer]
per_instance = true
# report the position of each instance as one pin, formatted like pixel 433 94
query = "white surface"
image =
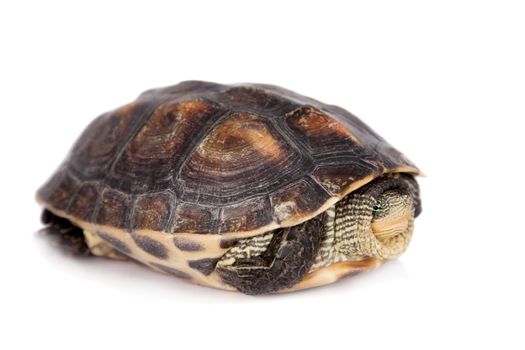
pixel 443 82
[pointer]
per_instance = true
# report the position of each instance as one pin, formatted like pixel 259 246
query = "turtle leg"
pixel 75 241
pixel 273 261
pixel 64 234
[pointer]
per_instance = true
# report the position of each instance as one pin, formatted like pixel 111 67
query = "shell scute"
pixel 242 157
pixel 153 211
pixel 291 203
pixel 84 201
pixel 113 209
pixel 100 143
pixel 258 100
pixel 58 189
pixel 194 218
pixel 147 161
pixel 249 215
pixel 322 133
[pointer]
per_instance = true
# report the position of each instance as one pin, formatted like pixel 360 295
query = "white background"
pixel 443 81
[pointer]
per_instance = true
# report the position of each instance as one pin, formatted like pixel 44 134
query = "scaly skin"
pixel 376 221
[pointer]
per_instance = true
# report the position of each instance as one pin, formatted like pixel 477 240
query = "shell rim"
pixel 292 221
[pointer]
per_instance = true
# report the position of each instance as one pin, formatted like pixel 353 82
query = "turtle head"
pixel 377 220
pixel 393 215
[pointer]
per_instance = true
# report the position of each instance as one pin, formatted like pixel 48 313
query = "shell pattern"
pixel 214 159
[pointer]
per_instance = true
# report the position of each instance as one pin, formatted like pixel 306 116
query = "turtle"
pixel 242 187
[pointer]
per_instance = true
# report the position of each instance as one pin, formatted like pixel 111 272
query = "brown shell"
pixel 200 157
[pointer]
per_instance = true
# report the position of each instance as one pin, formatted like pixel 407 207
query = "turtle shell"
pixel 207 158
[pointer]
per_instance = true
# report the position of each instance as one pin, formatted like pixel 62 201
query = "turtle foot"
pixel 64 234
